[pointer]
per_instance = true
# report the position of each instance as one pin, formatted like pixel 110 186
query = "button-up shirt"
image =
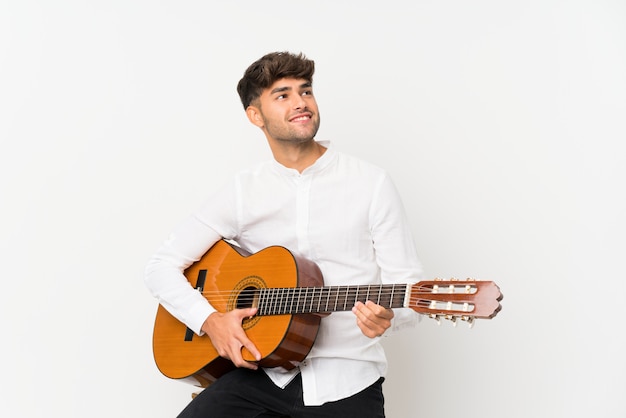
pixel 342 213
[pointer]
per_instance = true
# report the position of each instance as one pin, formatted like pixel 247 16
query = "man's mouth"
pixel 300 118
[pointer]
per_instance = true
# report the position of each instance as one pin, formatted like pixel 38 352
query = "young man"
pixel 338 211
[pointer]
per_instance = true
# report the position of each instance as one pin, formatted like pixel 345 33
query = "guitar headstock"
pixel 456 299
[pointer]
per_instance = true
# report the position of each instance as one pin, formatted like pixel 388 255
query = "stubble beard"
pixel 287 134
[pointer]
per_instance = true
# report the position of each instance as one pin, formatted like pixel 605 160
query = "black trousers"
pixel 245 393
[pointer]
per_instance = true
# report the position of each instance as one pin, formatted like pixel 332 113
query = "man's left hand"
pixel 373 319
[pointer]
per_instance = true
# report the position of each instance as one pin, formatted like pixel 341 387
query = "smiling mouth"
pixel 300 118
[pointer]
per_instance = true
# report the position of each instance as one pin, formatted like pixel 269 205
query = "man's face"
pixel 289 110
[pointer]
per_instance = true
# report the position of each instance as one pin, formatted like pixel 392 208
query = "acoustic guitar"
pixel 289 294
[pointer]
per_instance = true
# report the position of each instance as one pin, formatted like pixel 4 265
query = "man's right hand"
pixel 228 336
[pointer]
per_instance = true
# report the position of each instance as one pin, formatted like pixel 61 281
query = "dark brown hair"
pixel 271 67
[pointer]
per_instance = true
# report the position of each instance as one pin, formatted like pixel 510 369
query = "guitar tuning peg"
pixel 469 320
pixel 451 318
pixel 436 317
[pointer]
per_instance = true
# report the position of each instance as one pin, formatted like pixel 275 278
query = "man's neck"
pixel 297 156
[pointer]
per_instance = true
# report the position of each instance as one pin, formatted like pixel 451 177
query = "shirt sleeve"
pixel 396 253
pixel 164 273
pixel 188 242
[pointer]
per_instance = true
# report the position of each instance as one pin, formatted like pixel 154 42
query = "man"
pixel 338 211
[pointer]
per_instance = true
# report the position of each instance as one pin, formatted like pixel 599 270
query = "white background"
pixel 501 122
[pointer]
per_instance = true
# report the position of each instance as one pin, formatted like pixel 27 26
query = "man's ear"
pixel 254 116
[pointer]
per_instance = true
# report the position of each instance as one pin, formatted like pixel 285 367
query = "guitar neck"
pixel 326 299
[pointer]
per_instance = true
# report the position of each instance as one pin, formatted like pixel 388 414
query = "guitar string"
pixel 308 293
pixel 351 289
pixel 317 291
pixel 277 298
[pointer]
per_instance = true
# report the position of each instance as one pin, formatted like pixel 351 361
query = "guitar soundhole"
pixel 246 296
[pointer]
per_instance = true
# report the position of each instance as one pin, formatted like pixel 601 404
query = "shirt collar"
pixel 316 167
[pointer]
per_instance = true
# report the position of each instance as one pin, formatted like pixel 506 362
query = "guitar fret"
pixel 327 298
pixel 303 296
pixel 305 299
pixel 277 301
pixel 270 301
pixel 338 299
pixel 311 298
pixel 302 299
pixel 292 302
pixel 290 292
pixel 358 295
pixel 261 307
pixel 285 300
pixel 319 298
pixel 273 302
pixel 278 305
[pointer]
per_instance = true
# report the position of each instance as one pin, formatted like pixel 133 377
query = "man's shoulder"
pixel 358 163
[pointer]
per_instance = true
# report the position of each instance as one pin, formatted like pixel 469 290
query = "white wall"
pixel 500 121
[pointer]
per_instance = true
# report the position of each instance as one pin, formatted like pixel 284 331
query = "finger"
pixel 372 319
pixel 379 310
pixel 245 313
pixel 239 361
pixel 234 352
pixel 363 317
pixel 249 345
pixel 369 311
pixel 243 339
pixel 367 330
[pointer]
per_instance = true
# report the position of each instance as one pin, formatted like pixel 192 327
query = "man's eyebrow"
pixel 280 89
pixel 305 85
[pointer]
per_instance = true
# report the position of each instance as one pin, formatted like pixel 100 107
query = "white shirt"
pixel 342 213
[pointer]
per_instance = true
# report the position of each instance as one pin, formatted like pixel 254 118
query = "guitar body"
pixel 223 275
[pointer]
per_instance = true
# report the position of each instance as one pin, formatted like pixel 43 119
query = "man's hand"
pixel 228 336
pixel 373 319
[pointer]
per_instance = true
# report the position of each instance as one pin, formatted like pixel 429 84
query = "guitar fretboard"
pixel 280 301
